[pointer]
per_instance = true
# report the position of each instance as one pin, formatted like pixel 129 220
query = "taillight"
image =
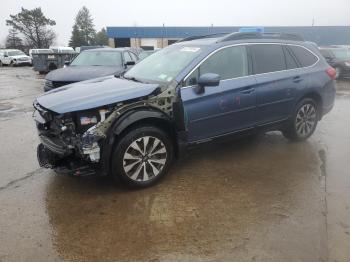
pixel 331 72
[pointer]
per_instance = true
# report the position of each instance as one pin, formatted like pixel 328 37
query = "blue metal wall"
pixel 322 35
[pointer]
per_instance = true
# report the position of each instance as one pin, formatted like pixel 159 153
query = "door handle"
pixel 248 91
pixel 297 79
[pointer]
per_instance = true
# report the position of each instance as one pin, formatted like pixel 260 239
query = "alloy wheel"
pixel 145 158
pixel 306 120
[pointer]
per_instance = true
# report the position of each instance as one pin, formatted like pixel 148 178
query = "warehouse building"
pixel 159 37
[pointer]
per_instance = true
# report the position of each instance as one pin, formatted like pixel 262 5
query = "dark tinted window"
pixel 268 58
pixel 305 57
pixel 229 63
pixel 290 60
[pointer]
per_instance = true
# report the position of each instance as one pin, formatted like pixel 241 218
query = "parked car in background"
pixel 14 57
pixel 339 58
pixel 186 94
pixel 91 64
pixel 145 54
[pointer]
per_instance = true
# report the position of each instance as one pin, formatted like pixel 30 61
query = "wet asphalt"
pixel 256 199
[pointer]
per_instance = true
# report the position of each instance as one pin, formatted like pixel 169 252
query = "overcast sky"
pixel 184 13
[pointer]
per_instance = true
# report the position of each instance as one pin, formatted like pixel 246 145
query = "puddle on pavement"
pixel 214 201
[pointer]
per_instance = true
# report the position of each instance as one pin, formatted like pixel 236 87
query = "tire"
pixel 11 64
pixel 137 167
pixel 304 121
pixel 1 63
pixel 338 73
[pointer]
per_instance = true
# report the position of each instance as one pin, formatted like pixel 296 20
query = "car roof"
pixel 240 38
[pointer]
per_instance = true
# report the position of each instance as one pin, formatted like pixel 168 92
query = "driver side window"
pixel 230 62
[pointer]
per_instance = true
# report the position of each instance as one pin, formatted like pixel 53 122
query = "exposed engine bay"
pixel 73 141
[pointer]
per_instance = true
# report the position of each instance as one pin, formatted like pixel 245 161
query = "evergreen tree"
pixel 13 41
pixel 101 37
pixel 83 32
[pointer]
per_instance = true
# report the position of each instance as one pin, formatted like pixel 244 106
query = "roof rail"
pixel 258 35
pixel 190 38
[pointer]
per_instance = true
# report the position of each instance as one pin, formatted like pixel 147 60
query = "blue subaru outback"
pixel 195 91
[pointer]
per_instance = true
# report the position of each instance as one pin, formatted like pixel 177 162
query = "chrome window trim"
pixel 246 44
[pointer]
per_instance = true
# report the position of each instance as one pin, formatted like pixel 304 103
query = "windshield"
pixel 343 54
pixel 14 53
pixel 164 65
pixel 98 58
pixel 143 55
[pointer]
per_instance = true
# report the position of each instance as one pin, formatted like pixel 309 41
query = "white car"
pixel 13 57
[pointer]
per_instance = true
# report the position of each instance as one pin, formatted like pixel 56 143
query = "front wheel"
pixel 304 121
pixel 12 64
pixel 142 156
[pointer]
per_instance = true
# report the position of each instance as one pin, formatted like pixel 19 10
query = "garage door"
pixel 149 42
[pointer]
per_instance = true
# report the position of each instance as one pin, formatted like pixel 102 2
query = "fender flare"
pixel 134 115
pixel 124 121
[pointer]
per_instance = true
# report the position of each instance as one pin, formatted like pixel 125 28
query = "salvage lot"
pixel 261 199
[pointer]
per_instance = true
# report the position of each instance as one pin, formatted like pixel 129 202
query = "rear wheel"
pixel 142 156
pixel 304 121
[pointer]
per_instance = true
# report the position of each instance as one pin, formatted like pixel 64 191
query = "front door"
pixel 222 109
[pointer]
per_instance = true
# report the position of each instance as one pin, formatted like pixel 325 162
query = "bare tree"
pixel 33 25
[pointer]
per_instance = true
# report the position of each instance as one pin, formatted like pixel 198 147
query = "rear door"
pixel 277 76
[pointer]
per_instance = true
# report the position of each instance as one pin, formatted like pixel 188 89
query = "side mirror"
pixel 130 63
pixel 209 79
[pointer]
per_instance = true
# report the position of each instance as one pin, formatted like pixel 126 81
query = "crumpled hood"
pixel 81 73
pixel 94 93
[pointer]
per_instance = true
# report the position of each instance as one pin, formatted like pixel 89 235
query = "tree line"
pixel 31 29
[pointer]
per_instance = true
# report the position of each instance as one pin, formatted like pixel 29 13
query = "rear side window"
pixel 291 63
pixel 268 58
pixel 230 62
pixel 304 56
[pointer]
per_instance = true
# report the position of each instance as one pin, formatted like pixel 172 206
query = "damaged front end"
pixel 73 143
